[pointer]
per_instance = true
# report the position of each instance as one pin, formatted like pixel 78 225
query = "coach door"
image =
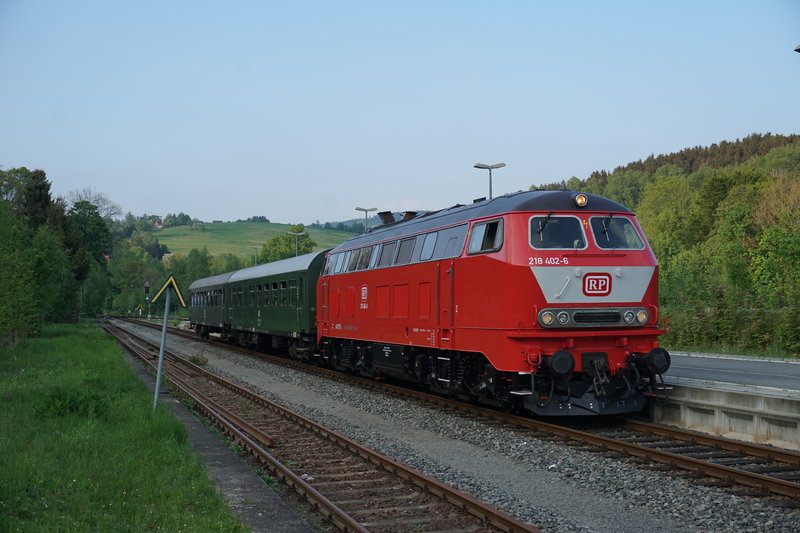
pixel 444 302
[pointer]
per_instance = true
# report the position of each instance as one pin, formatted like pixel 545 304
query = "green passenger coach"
pixel 270 305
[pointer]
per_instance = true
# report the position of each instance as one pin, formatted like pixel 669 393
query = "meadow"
pixel 82 450
pixel 237 237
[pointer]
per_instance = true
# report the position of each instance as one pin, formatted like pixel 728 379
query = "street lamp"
pixel 296 237
pixel 489 168
pixel 255 254
pixel 366 210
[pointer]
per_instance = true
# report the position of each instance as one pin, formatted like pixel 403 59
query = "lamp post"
pixel 489 168
pixel 366 211
pixel 296 240
pixel 255 254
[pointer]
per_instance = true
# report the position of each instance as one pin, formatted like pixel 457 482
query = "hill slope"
pixel 237 237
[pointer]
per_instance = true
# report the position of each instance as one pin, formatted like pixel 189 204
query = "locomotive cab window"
pixel 618 233
pixel 486 237
pixel 556 232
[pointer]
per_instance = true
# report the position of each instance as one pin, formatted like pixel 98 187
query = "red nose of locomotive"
pixel 596 296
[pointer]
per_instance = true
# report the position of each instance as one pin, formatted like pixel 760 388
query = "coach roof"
pixel 219 279
pixel 293 264
pixel 542 201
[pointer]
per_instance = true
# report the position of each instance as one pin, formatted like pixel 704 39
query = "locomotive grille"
pixel 596 317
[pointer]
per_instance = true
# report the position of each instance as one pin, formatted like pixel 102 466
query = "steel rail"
pixel 756 450
pixel 327 508
pixel 482 511
pixel 731 475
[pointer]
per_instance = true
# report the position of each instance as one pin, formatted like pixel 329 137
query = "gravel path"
pixel 547 484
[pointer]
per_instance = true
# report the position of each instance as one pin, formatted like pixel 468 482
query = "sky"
pixel 303 110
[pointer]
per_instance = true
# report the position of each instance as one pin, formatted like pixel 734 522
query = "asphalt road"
pixel 736 370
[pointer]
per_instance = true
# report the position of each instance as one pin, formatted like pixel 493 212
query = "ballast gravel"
pixel 551 485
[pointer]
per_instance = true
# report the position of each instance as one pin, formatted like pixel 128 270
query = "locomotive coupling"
pixel 561 363
pixel 656 361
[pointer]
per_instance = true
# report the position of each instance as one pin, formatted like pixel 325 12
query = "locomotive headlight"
pixel 547 318
pixel 581 200
pixel 642 316
pixel 563 317
pixel 629 317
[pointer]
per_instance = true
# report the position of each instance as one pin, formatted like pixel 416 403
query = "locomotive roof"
pixel 560 200
pixel 293 264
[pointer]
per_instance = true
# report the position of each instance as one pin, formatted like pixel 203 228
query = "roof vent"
pixel 476 200
pixel 386 217
pixel 408 215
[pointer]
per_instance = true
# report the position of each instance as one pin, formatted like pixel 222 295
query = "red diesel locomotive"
pixel 544 301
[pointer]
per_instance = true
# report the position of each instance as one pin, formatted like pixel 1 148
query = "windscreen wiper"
pixel 606 222
pixel 543 225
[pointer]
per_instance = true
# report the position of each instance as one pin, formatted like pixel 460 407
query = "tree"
pixel 225 262
pixel 90 226
pixel 105 206
pixel 35 199
pixel 18 312
pixel 12 182
pixel 283 246
pixel 54 285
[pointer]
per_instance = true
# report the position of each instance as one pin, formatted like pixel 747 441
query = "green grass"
pixel 237 237
pixel 82 450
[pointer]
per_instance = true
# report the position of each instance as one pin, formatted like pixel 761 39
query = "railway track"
pixel 353 487
pixel 708 460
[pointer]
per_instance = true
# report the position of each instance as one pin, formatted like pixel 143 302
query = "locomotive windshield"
pixel 548 232
pixel 615 233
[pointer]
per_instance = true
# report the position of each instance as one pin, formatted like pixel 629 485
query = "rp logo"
pixel 597 284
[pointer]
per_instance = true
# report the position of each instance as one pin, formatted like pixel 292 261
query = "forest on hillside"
pixel 723 220
pixel 724 223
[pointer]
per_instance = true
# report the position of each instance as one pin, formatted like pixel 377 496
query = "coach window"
pixel 556 232
pixel 292 292
pixel 387 253
pixel 428 246
pixel 405 251
pixel 486 237
pixel 284 295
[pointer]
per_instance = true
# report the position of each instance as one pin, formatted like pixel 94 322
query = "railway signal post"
pixel 165 287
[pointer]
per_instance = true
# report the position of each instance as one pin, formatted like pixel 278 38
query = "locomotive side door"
pixel 444 302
